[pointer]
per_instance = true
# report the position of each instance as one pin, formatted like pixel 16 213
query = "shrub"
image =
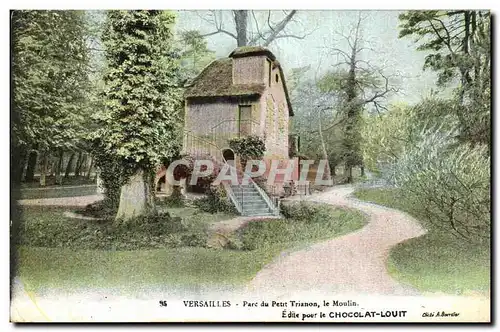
pixel 195 239
pixel 105 209
pixel 248 148
pixel 448 183
pixel 234 243
pixel 215 201
pixel 175 200
pixel 306 212
pixel 51 229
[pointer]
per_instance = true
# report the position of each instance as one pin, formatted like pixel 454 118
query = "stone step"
pixel 251 200
pixel 242 186
pixel 253 203
pixel 246 198
pixel 255 206
pixel 246 192
pixel 238 189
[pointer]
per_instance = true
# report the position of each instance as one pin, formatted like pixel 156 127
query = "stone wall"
pixel 275 118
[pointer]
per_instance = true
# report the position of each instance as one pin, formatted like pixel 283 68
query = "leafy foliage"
pixel 110 172
pixel 314 110
pixel 459 49
pixel 50 78
pixel 140 124
pixel 420 149
pixel 451 182
pixel 386 136
pixel 215 201
pixel 176 199
pixel 195 54
pixel 448 36
pixel 248 147
pixel 48 228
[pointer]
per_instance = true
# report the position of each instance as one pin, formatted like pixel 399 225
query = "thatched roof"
pixel 216 80
pixel 251 51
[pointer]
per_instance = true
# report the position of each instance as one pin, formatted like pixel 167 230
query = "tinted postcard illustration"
pixel 250 166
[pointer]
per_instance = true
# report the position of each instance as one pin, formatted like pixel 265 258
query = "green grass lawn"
pixel 194 214
pixel 67 268
pixel 436 261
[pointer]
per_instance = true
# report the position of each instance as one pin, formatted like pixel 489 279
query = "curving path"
pixel 62 201
pixel 351 264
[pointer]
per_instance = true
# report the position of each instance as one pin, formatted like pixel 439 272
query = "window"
pixel 245 120
pixel 277 78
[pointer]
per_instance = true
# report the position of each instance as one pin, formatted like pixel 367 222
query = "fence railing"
pixel 233 128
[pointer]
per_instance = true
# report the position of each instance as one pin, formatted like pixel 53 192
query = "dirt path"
pixel 354 263
pixel 58 187
pixel 63 201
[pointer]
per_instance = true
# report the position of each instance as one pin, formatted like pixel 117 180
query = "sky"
pixel 322 28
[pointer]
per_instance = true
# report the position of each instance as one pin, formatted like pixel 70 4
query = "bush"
pixel 248 148
pixel 215 201
pixel 105 209
pixel 449 183
pixel 175 200
pixel 48 228
pixel 306 212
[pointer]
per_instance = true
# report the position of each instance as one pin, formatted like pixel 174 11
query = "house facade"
pixel 241 95
pixel 244 94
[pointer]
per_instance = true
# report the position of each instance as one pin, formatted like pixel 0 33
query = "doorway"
pixel 228 155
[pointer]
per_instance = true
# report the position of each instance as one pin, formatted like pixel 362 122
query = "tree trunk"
pixel 30 170
pixel 53 165
pixel 79 163
pixel 323 148
pixel 81 170
pixel 241 21
pixel 90 167
pixel 43 168
pixel 278 28
pixel 59 167
pixel 69 165
pixel 20 157
pixel 136 197
pixel 349 174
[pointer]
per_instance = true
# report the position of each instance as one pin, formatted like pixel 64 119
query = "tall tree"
pixel 50 79
pixel 356 83
pixel 249 28
pixel 141 117
pixel 195 54
pixel 316 122
pixel 459 50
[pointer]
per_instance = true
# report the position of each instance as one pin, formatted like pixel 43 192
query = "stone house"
pixel 243 94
